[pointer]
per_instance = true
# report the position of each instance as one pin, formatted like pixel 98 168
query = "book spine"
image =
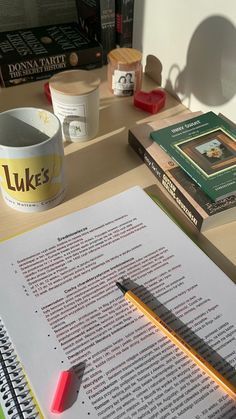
pixel 124 23
pixel 107 11
pixel 45 66
pixel 166 182
pixel 32 69
pixel 97 19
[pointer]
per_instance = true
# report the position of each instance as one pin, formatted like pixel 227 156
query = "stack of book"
pixel 194 157
pixel 108 21
pixel 37 53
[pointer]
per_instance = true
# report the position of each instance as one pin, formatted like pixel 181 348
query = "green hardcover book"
pixel 205 147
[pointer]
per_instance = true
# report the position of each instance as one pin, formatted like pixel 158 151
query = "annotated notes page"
pixel 62 310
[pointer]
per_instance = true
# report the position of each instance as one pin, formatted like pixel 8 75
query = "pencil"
pixel 228 387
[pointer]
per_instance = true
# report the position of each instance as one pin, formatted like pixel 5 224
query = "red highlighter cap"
pixel 150 101
pixel 47 92
pixel 61 393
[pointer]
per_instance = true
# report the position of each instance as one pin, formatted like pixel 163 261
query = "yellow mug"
pixel 31 159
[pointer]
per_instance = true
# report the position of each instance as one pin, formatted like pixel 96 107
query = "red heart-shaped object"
pixel 151 101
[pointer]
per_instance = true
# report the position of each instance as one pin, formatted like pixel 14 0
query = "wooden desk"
pixel 106 165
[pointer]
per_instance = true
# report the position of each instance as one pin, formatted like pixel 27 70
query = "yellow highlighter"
pixel 228 387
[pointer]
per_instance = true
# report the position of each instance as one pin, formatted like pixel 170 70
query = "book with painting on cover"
pixel 205 147
pixel 66 313
pixel 196 205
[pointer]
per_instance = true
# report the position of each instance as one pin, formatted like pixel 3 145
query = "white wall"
pixel 195 42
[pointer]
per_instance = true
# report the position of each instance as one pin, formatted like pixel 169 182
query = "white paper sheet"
pixel 63 310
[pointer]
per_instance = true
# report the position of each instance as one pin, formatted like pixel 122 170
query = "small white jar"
pixel 75 100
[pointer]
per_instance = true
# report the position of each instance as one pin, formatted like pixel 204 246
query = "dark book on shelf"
pixel 190 198
pixel 124 23
pixel 97 19
pixel 37 53
pixel 205 147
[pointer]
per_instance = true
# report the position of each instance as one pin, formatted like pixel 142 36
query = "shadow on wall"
pixel 153 68
pixel 210 71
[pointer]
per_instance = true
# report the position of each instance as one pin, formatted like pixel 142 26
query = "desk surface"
pixel 106 165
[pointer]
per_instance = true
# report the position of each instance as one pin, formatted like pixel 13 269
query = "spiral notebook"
pixel 16 397
pixel 61 310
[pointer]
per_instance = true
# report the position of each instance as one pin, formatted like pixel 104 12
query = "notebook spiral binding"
pixel 15 396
